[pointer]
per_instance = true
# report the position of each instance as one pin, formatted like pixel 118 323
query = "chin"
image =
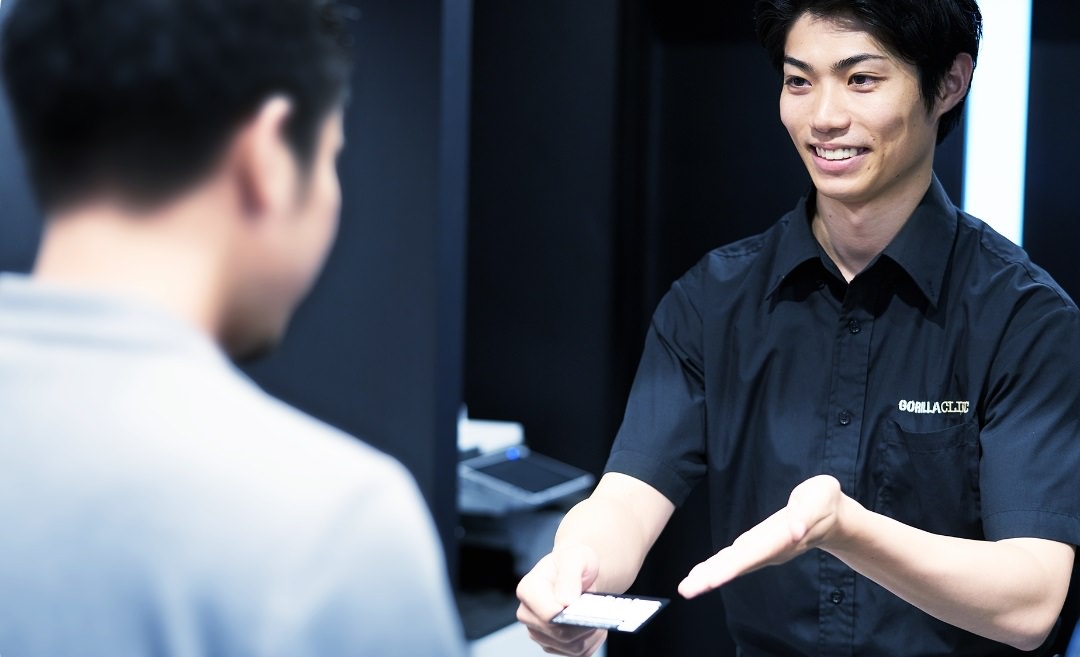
pixel 842 191
pixel 252 352
pixel 250 346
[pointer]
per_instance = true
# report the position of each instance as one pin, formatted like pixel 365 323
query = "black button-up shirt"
pixel 941 387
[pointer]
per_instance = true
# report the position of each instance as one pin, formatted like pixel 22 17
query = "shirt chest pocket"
pixel 930 480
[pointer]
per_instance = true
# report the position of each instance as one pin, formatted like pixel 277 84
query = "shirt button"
pixel 819 284
pixel 836 597
pixel 844 418
pixel 853 326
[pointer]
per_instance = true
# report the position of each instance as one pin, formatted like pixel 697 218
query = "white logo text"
pixel 932 407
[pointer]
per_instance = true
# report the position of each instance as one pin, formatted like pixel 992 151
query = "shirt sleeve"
pixel 1030 438
pixel 662 437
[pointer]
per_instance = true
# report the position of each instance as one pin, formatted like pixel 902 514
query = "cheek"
pixel 336 196
pixel 899 140
pixel 896 117
pixel 329 210
pixel 334 205
pixel 790 116
pixel 787 114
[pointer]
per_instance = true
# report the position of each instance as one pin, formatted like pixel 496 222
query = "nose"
pixel 830 110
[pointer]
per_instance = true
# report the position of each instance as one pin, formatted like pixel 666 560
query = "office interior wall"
pixel 1051 214
pixel 20 222
pixel 376 348
pixel 540 268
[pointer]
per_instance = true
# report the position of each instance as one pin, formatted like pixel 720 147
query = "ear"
pixel 264 166
pixel 955 84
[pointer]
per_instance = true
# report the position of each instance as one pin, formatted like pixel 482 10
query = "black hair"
pixel 928 34
pixel 140 97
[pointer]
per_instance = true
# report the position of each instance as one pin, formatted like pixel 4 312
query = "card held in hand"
pixel 608 611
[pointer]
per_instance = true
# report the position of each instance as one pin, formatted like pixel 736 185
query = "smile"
pixel 837 153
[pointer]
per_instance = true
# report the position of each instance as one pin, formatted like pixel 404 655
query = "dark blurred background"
pixel 523 181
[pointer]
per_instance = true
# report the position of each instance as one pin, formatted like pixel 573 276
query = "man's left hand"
pixel 810 518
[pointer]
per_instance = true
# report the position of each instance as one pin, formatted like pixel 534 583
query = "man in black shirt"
pixel 879 391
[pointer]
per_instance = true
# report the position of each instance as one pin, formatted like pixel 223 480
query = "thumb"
pixel 797 527
pixel 576 569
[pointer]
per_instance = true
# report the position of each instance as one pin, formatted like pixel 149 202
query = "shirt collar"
pixel 797 244
pixel 923 245
pixel 921 248
pixel 83 316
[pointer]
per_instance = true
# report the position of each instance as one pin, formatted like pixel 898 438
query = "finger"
pixel 707 575
pixel 579 644
pixel 797 527
pixel 556 581
pixel 766 543
pixel 594 642
pixel 536 591
pixel 556 633
pixel 582 645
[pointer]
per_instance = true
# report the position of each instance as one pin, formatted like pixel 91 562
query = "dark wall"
pixel 376 348
pixel 20 223
pixel 1051 217
pixel 540 272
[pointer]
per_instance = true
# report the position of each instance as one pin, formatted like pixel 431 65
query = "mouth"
pixel 838 154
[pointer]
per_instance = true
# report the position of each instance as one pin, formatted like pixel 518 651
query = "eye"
pixel 795 82
pixel 862 80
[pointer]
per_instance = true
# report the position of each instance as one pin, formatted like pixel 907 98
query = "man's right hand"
pixel 556 581
pixel 617 523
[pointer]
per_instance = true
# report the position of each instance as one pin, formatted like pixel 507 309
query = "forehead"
pixel 828 39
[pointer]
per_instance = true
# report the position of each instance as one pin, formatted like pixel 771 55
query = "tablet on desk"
pixel 521 478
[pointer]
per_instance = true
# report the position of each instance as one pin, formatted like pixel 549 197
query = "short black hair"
pixel 928 34
pixel 139 97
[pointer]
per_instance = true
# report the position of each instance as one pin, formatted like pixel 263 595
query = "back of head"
pixel 928 34
pixel 137 98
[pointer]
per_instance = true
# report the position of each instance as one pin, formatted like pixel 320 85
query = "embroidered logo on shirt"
pixel 934 407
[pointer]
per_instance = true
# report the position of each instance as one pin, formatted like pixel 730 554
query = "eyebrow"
pixel 841 65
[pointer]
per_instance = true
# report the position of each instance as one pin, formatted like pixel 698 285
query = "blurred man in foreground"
pixel 155 501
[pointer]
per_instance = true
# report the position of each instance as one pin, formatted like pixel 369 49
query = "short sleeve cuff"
pixel 658 474
pixel 1049 525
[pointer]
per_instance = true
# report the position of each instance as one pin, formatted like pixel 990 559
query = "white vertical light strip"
pixel 995 151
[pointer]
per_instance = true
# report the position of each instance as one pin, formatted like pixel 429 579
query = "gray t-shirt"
pixel 154 501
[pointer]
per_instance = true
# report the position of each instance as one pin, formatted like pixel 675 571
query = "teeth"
pixel 837 153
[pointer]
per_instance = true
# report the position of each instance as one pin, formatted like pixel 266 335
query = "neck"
pixel 853 234
pixel 171 258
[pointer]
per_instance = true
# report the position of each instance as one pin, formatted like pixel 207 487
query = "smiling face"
pixel 855 114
